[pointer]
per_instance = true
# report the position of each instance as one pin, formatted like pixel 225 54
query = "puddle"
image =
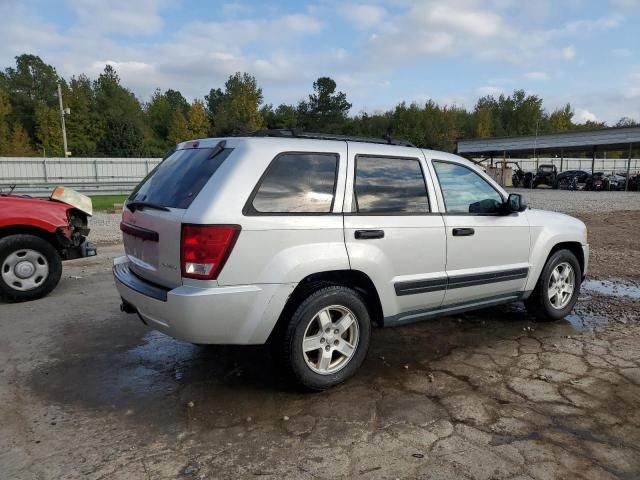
pixel 612 287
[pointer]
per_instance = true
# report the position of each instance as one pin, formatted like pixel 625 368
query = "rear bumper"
pixel 243 315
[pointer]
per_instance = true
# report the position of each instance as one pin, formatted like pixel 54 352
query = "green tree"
pixel 5 110
pixel 159 114
pixel 86 125
pixel 29 84
pixel 178 128
pixel 198 122
pixel 20 144
pixel 284 116
pixel 627 122
pixel 122 138
pixel 326 110
pixel 237 110
pixel 561 120
pixel 49 131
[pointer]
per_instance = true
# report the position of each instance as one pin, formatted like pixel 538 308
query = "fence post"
pixel 626 184
pixel 44 169
pixel 95 168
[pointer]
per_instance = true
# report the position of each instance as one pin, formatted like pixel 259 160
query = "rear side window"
pixel 178 179
pixel 297 183
pixel 390 186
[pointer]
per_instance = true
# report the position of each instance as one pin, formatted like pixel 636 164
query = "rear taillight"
pixel 205 249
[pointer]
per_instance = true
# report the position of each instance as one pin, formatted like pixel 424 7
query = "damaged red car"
pixel 36 236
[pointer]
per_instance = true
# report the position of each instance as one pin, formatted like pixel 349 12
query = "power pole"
pixel 64 128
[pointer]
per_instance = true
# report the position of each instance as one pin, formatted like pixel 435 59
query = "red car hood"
pixel 37 212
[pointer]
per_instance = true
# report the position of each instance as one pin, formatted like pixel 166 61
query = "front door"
pixel 487 251
pixel 393 230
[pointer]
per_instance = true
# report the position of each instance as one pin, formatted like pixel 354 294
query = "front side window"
pixel 298 183
pixel 390 186
pixel 465 191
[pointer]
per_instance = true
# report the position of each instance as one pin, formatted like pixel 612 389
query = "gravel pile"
pixel 105 226
pixel 579 201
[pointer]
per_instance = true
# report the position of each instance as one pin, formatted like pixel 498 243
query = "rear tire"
pixel 557 289
pixel 30 268
pixel 326 339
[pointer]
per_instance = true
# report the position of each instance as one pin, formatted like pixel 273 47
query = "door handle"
pixel 463 232
pixel 369 234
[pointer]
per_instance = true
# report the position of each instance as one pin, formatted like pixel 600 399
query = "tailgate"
pixel 152 244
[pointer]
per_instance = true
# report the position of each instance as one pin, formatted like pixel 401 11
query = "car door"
pixel 394 232
pixel 487 250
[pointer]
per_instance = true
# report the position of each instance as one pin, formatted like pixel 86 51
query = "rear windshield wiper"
pixel 133 206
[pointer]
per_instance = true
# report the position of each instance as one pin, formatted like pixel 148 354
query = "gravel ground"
pixel 579 202
pixel 105 228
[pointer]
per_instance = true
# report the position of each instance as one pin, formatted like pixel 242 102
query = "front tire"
pixel 326 339
pixel 557 289
pixel 30 268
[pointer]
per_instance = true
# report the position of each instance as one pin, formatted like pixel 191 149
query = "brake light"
pixel 205 249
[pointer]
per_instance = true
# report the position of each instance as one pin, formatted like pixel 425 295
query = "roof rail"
pixel 299 133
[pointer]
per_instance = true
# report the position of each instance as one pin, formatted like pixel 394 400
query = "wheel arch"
pixel 31 230
pixel 355 279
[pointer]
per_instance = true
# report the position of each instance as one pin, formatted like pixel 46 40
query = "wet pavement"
pixel 89 392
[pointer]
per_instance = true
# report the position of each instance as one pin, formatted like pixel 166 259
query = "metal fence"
pixel 111 176
pixel 107 176
pixel 606 165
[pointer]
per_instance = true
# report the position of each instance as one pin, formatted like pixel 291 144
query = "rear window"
pixel 297 182
pixel 178 179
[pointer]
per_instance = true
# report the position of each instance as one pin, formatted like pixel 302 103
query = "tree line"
pixel 107 119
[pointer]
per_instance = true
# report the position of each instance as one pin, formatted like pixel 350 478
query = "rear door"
pixel 487 251
pixel 393 230
pixel 151 233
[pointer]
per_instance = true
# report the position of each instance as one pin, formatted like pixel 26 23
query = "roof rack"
pixel 299 133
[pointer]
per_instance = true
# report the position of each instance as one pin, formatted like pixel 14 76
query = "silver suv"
pixel 306 241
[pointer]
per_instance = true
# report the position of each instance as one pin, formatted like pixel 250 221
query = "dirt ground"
pixel 89 392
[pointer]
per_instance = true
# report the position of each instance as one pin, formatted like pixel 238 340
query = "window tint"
pixel 465 191
pixel 178 179
pixel 298 183
pixel 390 185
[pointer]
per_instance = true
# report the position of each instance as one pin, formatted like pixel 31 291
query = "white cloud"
pixel 569 52
pixel 541 76
pixel 363 15
pixel 489 90
pixel 125 17
pixel 581 116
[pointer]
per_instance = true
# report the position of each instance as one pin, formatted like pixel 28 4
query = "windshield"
pixel 178 179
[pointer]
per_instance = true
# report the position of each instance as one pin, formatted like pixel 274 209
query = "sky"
pixel 586 52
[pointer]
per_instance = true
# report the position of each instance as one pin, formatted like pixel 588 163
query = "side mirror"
pixel 516 203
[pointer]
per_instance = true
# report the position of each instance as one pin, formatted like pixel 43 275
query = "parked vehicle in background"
pixel 597 182
pixel 571 179
pixel 36 235
pixel 616 182
pixel 305 241
pixel 545 175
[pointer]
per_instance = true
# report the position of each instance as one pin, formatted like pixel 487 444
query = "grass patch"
pixel 105 202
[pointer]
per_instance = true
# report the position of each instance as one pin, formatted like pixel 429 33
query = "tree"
pixel 237 110
pixel 159 114
pixel 19 144
pixel 326 110
pixel 627 122
pixel 561 120
pixel 177 101
pixel 49 131
pixel 198 123
pixel 31 83
pixel 284 116
pixel 5 110
pixel 86 125
pixel 122 138
pixel 178 128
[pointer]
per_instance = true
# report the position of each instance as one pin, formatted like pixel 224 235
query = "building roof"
pixel 581 141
